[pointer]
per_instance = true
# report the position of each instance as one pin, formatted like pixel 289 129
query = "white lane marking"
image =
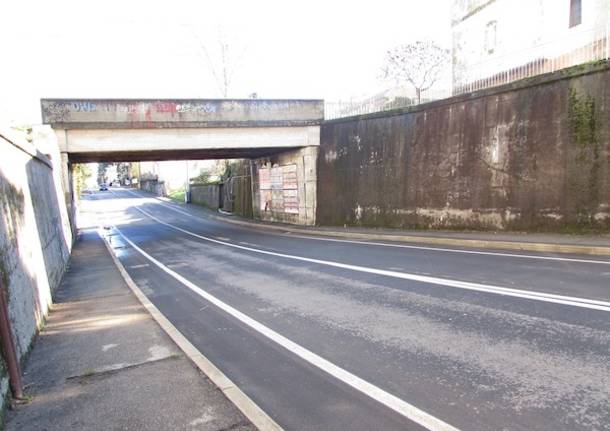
pixel 143 265
pixel 165 205
pixel 391 401
pixel 445 282
pixel 453 250
pixel 413 247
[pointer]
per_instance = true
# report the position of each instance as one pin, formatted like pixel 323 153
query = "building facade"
pixel 503 40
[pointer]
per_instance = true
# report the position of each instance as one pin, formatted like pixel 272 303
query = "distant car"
pixel 103 187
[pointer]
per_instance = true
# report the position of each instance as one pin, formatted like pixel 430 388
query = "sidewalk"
pixel 102 362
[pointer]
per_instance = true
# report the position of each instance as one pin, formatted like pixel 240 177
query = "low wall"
pixel 153 186
pixel 35 234
pixel 533 155
pixel 205 194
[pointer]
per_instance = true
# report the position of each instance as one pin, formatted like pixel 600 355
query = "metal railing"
pixel 573 49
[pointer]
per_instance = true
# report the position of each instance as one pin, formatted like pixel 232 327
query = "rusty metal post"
pixel 8 346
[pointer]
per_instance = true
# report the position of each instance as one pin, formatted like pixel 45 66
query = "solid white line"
pixel 248 407
pixel 413 247
pixel 518 293
pixel 398 405
pixel 450 250
pixel 163 204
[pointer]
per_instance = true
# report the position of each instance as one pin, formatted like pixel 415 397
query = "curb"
pixel 487 244
pixel 456 242
pixel 249 408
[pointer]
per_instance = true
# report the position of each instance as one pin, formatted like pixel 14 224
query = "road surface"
pixel 330 334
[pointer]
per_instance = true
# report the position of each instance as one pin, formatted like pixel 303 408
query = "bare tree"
pixel 419 64
pixel 223 62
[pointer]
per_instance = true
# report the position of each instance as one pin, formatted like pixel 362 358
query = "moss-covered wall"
pixel 533 155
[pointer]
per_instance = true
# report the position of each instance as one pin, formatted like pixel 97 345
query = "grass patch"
pixel 177 195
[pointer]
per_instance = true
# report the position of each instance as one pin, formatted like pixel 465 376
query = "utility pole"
pixel 187 187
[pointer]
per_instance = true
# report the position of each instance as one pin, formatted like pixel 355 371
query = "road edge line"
pixel 243 402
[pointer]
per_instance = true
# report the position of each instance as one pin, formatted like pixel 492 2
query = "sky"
pixel 169 49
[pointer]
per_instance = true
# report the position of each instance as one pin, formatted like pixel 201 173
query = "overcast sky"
pixel 130 48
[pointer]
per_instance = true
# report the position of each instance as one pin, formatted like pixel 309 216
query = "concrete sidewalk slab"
pixel 102 362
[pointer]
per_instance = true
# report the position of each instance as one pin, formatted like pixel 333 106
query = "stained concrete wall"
pixel 205 194
pixel 533 155
pixel 263 204
pixel 35 233
pixel 154 186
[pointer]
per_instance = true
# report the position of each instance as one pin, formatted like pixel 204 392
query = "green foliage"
pixel 123 172
pixel 101 172
pixel 80 173
pixel 177 195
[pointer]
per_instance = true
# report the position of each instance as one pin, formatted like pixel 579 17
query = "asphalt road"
pixel 339 335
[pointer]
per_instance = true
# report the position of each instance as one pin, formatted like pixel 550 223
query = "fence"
pixel 573 49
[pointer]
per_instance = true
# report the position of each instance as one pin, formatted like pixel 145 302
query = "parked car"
pixel 103 187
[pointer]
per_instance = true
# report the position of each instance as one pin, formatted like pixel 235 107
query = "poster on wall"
pixel 291 201
pixel 265 200
pixel 277 182
pixel 278 189
pixel 277 200
pixel 289 173
pixel 264 176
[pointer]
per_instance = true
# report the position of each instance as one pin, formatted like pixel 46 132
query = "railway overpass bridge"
pixel 275 134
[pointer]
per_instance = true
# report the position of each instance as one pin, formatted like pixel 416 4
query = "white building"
pixel 497 41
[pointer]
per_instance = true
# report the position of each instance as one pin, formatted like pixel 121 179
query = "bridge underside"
pixel 159 155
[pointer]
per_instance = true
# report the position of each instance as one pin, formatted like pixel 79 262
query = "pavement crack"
pixel 94 375
pixel 236 426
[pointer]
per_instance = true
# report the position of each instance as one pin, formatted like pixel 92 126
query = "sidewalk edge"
pixel 487 244
pixel 249 408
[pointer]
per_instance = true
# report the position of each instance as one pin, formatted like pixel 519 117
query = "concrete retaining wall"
pixel 205 194
pixel 35 233
pixel 534 155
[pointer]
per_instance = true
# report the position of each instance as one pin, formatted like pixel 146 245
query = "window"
pixel 575 12
pixel 491 37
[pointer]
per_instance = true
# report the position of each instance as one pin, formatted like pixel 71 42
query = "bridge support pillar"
pixel 285 186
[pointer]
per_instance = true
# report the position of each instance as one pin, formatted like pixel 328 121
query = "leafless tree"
pixel 223 61
pixel 419 64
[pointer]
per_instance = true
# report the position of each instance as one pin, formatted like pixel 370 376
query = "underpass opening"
pixel 277 141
